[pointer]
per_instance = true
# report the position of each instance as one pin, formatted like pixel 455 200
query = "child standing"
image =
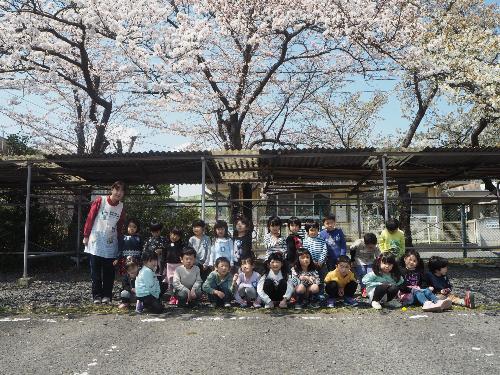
pixel 341 283
pixel 413 286
pixel 201 243
pixel 222 246
pixel 382 284
pixel 335 241
pixel 187 280
pixel 246 283
pixel 147 286
pixel 132 246
pixel 437 278
pixel 275 284
pixel 273 240
pixel 219 285
pixel 317 247
pixel 293 241
pixel 305 279
pixel 363 253
pixel 156 243
pixel 242 239
pixel 102 237
pixel 128 284
pixel 392 239
pixel 171 259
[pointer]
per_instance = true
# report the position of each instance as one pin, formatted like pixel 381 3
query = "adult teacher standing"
pixel 102 237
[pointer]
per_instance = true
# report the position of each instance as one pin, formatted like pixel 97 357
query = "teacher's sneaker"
pixel 376 305
pixel 106 300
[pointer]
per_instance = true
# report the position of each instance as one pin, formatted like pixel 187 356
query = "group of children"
pixel 305 268
pixel 308 267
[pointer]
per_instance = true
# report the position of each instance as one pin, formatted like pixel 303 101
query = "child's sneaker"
pixel 106 300
pixel 469 299
pixel 350 301
pixel 244 305
pixel 227 304
pixel 173 300
pixel 445 304
pixel 269 305
pixel 139 307
pixel 393 303
pixel 314 305
pixel 364 293
pixel 298 306
pixel 97 301
pixel 123 306
pixel 432 306
pixel 213 305
pixel 330 303
pixel 376 305
pixel 256 305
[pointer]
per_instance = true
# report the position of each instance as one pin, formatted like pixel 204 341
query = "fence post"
pixel 27 223
pixel 216 201
pixel 463 219
pixel 358 203
pixel 384 177
pixel 78 234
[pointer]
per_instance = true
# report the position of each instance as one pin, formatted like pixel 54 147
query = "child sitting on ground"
pixel 382 284
pixel 335 241
pixel 437 279
pixel 275 284
pixel 219 285
pixel 341 282
pixel 305 280
pixel 273 240
pixel 413 288
pixel 392 239
pixel 187 280
pixel 222 246
pixel 171 259
pixel 201 243
pixel 363 253
pixel 147 285
pixel 128 284
pixel 246 282
pixel 293 241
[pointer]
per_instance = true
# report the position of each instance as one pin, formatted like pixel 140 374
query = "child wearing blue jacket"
pixel 147 285
pixel 335 241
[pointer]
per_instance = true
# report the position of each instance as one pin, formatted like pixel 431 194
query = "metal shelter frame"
pixel 353 171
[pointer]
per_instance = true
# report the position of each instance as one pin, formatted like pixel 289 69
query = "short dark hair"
pixel 136 222
pixel 303 251
pixel 199 223
pixel 273 221
pixel 294 220
pixel 220 260
pixel 221 224
pixel 392 224
pixel 387 258
pixel 148 255
pixel 178 231
pixel 370 239
pixel 416 254
pixel 343 259
pixel 436 263
pixel 279 257
pixel 248 223
pixel 308 226
pixel 119 185
pixel 188 251
pixel 155 225
pixel 329 217
pixel 248 260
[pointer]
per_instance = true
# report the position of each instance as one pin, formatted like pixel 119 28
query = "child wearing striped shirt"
pixel 317 247
pixel 273 240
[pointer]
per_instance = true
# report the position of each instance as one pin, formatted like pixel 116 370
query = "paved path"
pixel 347 342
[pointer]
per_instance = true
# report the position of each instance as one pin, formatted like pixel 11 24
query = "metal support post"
pixel 27 222
pixel 203 181
pixel 463 219
pixel 78 234
pixel 384 177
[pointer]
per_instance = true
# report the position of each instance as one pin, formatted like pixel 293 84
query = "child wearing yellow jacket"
pixel 341 282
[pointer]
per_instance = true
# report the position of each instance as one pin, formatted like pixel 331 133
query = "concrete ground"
pixel 254 342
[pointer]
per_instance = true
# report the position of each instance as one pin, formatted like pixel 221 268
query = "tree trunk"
pixel 474 140
pixel 405 213
pixel 234 196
